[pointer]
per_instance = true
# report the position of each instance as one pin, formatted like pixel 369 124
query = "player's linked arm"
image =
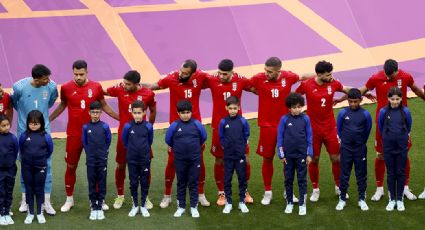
pixel 108 110
pixel 61 107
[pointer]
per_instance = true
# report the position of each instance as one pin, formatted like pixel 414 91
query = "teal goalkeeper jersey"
pixel 26 98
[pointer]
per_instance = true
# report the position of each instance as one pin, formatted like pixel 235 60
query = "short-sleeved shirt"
pixel 320 103
pixel 4 103
pixel 78 100
pixel 220 91
pixel 382 85
pixel 26 98
pixel 272 96
pixel 189 90
pixel 125 99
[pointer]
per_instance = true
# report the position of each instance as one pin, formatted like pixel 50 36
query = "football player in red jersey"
pixel 127 92
pixel 186 83
pixel 223 84
pixel 5 104
pixel 77 95
pixel 319 92
pixel 272 87
pixel 382 81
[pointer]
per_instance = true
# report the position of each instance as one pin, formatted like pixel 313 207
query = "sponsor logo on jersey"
pixel 90 93
pixel 347 118
pixel 283 83
pixel 180 129
pixel 194 83
pixel 329 90
pixel 45 94
pixel 89 131
pixel 28 139
pixel 290 124
pixel 227 126
pixel 132 132
pixel 139 98
pixel 399 82
pixel 234 86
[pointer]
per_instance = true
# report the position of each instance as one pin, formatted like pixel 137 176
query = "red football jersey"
pixel 189 90
pixel 320 102
pixel 272 96
pixel 221 91
pixel 380 82
pixel 78 100
pixel 126 98
pixel 4 103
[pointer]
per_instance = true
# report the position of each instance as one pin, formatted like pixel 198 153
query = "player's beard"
pixel 183 80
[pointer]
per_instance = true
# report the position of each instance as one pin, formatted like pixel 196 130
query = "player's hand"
pixel 308 160
pixel 380 156
pixel 338 100
pixel 283 161
pixel 371 97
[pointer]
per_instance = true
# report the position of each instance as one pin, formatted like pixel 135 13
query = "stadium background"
pixel 155 36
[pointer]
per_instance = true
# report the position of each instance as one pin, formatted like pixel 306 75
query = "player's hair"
pixel 225 65
pixel 184 105
pixel 273 62
pixel 3 117
pixel 79 64
pixel 390 67
pixel 190 63
pixel 35 116
pixel 233 100
pixel 137 104
pixel 294 99
pixel 95 105
pixel 323 67
pixel 39 71
pixel 132 76
pixel 354 93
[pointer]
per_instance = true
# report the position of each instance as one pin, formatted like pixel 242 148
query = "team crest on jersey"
pixel 283 83
pixel 329 90
pixel 234 86
pixel 399 82
pixel 1 107
pixel 90 93
pixel 194 83
pixel 45 94
pixel 139 98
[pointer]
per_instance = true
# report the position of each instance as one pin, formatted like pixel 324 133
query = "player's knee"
pixel 120 166
pixel 315 159
pixel 218 161
pixel 379 156
pixel 334 158
pixel 71 166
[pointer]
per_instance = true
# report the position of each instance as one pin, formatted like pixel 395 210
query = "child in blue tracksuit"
pixel 353 125
pixel 234 133
pixel 137 137
pixel 395 123
pixel 186 136
pixel 294 145
pixel 9 149
pixel 36 146
pixel 96 138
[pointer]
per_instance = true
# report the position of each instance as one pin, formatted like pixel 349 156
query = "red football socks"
pixel 267 171
pixel 70 179
pixel 336 172
pixel 313 170
pixel 119 180
pixel 379 172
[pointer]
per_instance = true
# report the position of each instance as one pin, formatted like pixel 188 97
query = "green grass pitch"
pixel 320 215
